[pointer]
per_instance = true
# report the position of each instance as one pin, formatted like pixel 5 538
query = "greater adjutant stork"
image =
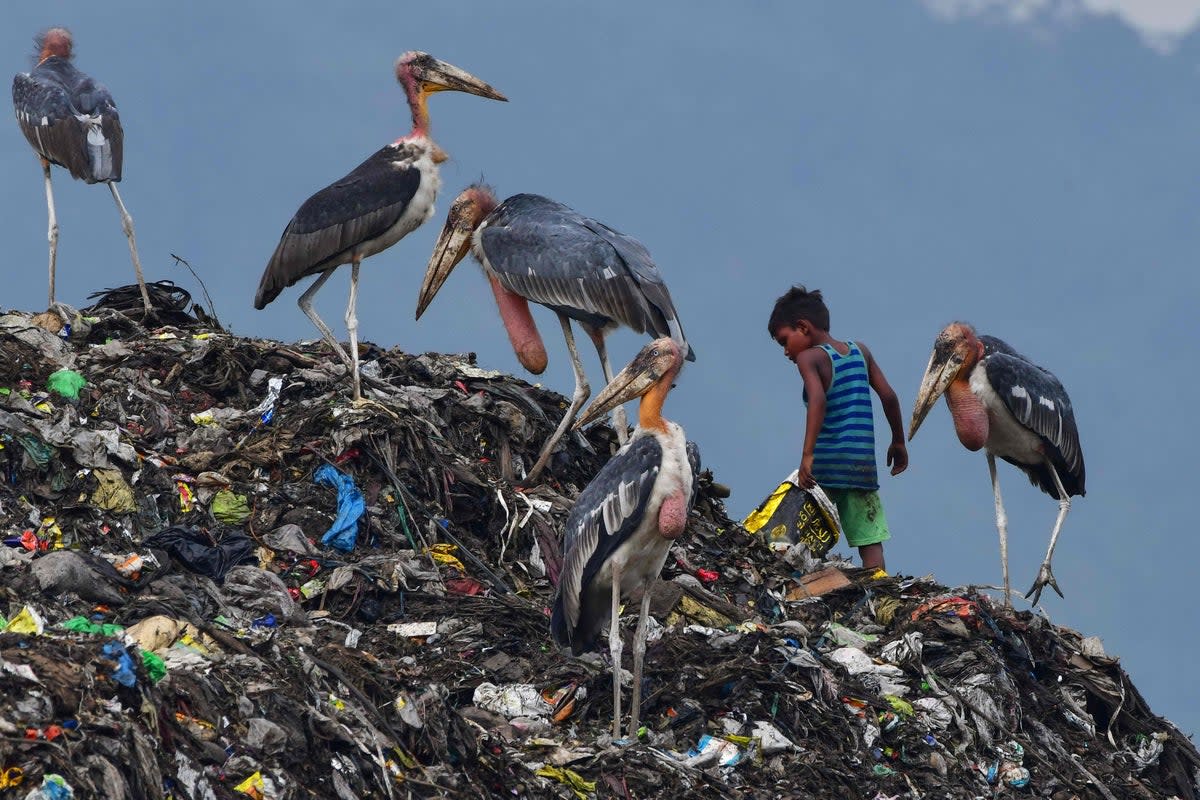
pixel 72 121
pixel 619 532
pixel 1014 409
pixel 385 198
pixel 533 248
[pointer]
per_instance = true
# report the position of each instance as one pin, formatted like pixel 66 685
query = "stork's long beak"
pixel 442 77
pixel 451 248
pixel 941 371
pixel 634 381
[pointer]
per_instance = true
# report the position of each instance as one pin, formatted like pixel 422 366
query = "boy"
pixel 839 436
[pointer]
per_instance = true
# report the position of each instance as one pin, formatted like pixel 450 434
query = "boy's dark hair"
pixel 799 303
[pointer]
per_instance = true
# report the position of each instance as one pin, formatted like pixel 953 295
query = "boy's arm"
pixel 815 388
pixel 897 453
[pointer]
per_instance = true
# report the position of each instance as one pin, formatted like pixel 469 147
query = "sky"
pixel 1025 165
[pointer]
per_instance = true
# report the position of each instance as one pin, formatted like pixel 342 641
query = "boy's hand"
pixel 897 457
pixel 804 474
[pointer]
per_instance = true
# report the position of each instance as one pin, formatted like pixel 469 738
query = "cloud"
pixel 1160 23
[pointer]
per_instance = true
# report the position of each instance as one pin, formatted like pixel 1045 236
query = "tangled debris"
pixel 223 580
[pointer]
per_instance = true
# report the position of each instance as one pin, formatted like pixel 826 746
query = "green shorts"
pixel 862 516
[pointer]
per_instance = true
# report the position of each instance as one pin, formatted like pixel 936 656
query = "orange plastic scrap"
pixel 961 607
pixel 562 700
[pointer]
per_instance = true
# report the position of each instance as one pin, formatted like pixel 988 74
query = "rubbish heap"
pixel 223 580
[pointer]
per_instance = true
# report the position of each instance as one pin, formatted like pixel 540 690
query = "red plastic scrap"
pixel 703 575
pixel 49 733
pixel 32 543
pixel 961 607
pixel 467 586
pixel 462 386
pixel 347 455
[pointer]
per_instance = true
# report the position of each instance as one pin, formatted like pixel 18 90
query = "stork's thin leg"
pixel 614 648
pixel 52 233
pixel 582 392
pixel 127 226
pixel 352 326
pixel 639 652
pixel 305 303
pixel 620 423
pixel 1045 576
pixel 1001 526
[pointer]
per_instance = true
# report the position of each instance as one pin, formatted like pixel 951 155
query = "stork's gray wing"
pixel 333 222
pixel 550 254
pixel 1040 403
pixel 70 120
pixel 607 513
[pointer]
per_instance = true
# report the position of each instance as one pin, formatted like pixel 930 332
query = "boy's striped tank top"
pixel 844 456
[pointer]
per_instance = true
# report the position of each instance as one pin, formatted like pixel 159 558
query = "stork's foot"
pixel 1045 578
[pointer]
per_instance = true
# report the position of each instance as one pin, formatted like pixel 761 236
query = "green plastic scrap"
pixel 85 625
pixel 899 705
pixel 230 508
pixel 38 450
pixel 67 383
pixel 155 668
pixel 570 778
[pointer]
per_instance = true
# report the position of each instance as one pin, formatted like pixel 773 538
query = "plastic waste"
pixel 512 700
pixel 581 787
pixel 230 508
pixel 156 668
pixel 123 673
pixel 770 739
pixel 197 551
pixel 350 507
pixel 27 621
pixel 66 383
pixel 713 750
pixel 112 492
pixel 54 787
pixel 792 515
pixel 85 625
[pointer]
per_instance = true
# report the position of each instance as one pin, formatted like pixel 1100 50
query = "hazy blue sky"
pixel 1026 165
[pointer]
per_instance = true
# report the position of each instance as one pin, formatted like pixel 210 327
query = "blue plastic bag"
pixel 123 673
pixel 351 506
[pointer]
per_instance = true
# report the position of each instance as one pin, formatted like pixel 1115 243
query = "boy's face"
pixel 794 339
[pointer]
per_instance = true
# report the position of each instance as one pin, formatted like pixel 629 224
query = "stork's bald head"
pixel 54 42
